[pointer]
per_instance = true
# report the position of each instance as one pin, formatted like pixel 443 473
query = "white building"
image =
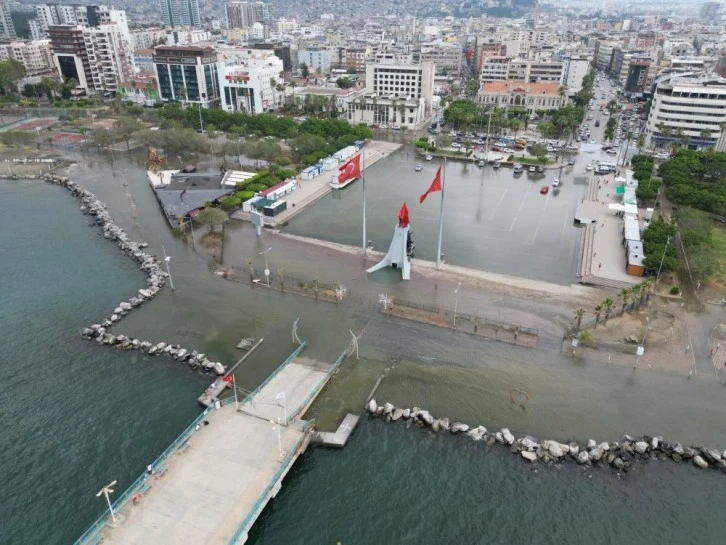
pixel 108 58
pixel 521 94
pixel 180 13
pixel 246 81
pixel 245 14
pixel 690 110
pixel 7 29
pixel 317 59
pixel 495 68
pixel 445 56
pixel 574 68
pixel 36 56
pixel 148 38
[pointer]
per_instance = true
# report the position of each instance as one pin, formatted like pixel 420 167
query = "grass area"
pixel 719 248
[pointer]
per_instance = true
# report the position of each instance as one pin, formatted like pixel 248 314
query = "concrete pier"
pixel 341 435
pixel 212 483
pixel 214 390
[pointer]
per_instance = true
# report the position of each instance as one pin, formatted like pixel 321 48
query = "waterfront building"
pixel 688 109
pixel 187 74
pixel 522 94
pixel 180 13
pixel 249 81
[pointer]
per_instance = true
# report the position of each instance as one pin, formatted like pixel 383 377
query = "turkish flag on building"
pixel 435 186
pixel 350 170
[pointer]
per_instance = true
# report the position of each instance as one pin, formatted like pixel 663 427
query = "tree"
pixel 11 71
pixel 579 315
pixel 705 135
pixel 460 112
pixel 17 139
pixel 126 126
pixel 597 312
pixel 304 70
pixel 625 295
pixel 640 142
pixel 344 83
pixel 610 128
pixel 607 306
pixel 211 216
pixel 539 151
pixel 443 141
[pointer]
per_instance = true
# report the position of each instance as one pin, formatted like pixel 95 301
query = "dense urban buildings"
pixel 180 13
pixel 246 14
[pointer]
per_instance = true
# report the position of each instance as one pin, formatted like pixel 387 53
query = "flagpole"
pixel 234 387
pixel 441 216
pixel 363 180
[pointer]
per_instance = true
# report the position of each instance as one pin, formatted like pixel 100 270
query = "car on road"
pixel 455 145
pixel 571 162
pixel 544 190
pixel 588 168
pixel 555 183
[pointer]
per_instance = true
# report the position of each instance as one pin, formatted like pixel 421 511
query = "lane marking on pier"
pixel 539 223
pixel 519 210
pixel 498 203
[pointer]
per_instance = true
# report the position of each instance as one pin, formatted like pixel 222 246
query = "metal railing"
pixel 263 497
pixel 91 534
pixel 308 399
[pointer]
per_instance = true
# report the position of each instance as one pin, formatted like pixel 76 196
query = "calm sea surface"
pixel 78 415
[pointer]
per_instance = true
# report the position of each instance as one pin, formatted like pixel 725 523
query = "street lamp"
pixel 167 259
pixel 456 302
pixel 281 397
pixel 105 491
pixel 276 426
pixel 641 347
pixel 665 248
pixel 267 271
pixel 201 125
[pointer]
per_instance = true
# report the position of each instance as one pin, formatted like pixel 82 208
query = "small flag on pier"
pixel 229 378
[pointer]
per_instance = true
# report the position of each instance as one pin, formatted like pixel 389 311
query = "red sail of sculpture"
pixel 403 220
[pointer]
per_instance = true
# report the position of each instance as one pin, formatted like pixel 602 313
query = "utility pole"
pixel 665 248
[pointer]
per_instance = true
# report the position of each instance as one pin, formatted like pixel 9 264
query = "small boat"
pixel 518 169
pixel 428 157
pixel 532 168
pixel 497 164
pixel 419 168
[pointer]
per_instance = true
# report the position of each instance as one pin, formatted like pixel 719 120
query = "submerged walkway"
pixel 213 482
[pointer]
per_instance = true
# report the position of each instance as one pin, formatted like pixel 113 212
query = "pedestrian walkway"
pixel 311 191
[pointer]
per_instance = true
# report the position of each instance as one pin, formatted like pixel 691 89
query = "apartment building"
pixel 148 38
pixel 180 13
pixel 86 16
pixel 689 109
pixel 603 54
pixel 637 80
pixel 445 56
pixel 486 49
pixel 317 59
pixel 507 68
pixel 187 74
pixel 36 56
pixel 69 54
pixel 249 81
pixel 246 14
pixel 494 69
pixel 521 94
pixel 7 29
pixel 109 62
pixel 356 57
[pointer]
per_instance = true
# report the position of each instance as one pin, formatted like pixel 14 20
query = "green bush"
pixel 282 161
pixel 256 187
pixel 675 290
pixel 230 203
pixel 244 195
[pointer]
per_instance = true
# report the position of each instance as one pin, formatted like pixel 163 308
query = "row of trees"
pixel 629 298
pixel 562 122
pixel 648 185
pixel 659 246
pixel 50 89
pixel 696 179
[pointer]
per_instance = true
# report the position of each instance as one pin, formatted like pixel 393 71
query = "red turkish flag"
pixel 350 170
pixel 228 378
pixel 435 186
pixel 403 220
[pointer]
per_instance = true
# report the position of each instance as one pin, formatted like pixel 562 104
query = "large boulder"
pixel 574 449
pixel 457 427
pixel 528 443
pixel 476 434
pixel 618 463
pixel 396 414
pixel 372 406
pixel 406 413
pixel 507 436
pixel 596 454
pixel 387 409
pixel 591 444
pixel 711 455
pixel 700 462
pixel 445 424
pixel 678 449
pixel 529 456
pixel 555 449
pixel 426 417
pixel 583 457
pixel 436 426
pixel 641 447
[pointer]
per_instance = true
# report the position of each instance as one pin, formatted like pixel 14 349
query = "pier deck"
pixel 213 483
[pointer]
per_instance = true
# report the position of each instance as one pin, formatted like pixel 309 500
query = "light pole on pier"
pixel 282 397
pixel 105 491
pixel 456 302
pixel 167 259
pixel 276 426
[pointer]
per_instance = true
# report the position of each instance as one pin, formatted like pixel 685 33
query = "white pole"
pixel 456 302
pixel 363 181
pixel 108 501
pixel 284 407
pixel 234 387
pixel 665 248
pixel 194 240
pixel 168 270
pixel 441 216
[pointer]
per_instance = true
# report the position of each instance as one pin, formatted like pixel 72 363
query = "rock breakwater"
pixel 155 281
pixel 620 455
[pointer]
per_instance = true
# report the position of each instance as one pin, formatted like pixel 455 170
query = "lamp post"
pixel 456 302
pixel 641 347
pixel 665 248
pixel 201 125
pixel 282 397
pixel 267 271
pixel 167 259
pixel 105 491
pixel 276 426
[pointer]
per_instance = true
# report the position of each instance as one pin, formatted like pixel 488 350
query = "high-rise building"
pixel 246 14
pixel 96 57
pixel 187 74
pixel 246 80
pixel 709 11
pixel 36 56
pixel 7 30
pixel 176 13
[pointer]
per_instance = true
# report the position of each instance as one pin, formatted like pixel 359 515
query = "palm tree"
pixel 402 111
pixel 598 311
pixel 647 289
pixel 705 135
pixel 608 306
pixel 394 107
pixel 579 315
pixel 625 297
pixel 273 86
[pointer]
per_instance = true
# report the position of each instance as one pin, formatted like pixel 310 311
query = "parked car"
pixel 544 190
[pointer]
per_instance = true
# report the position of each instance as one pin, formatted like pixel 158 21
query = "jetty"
pixel 214 390
pixel 214 480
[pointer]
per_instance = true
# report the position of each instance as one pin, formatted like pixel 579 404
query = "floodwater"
pixel 81 415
